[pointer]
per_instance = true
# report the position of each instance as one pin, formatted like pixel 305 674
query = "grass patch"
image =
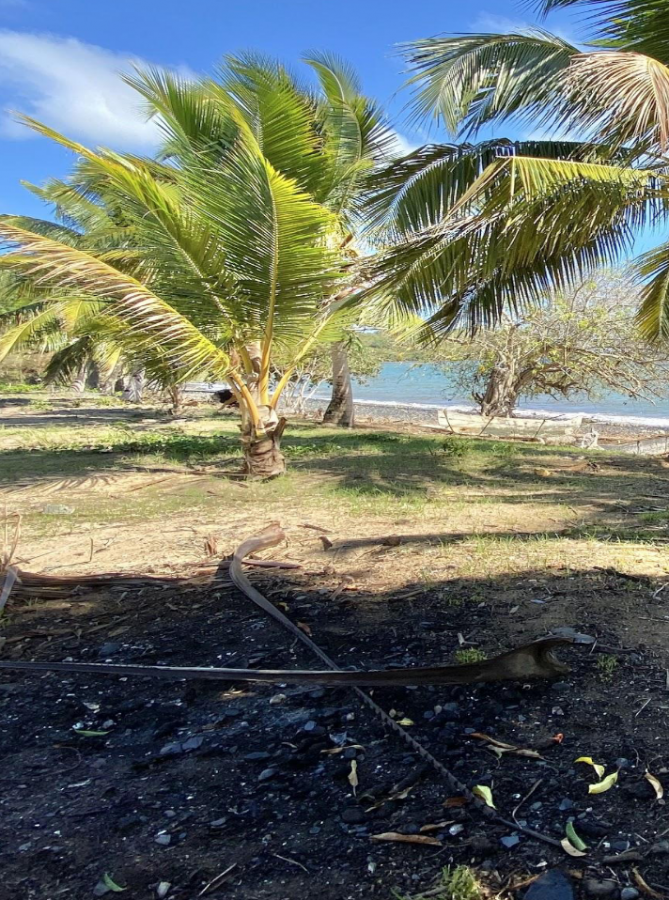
pixel 470 655
pixel 607 666
pixel 459 883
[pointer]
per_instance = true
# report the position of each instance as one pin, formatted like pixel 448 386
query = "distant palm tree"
pixel 233 244
pixel 479 228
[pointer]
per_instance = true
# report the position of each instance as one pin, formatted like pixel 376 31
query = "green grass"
pixel 459 883
pixel 469 655
pixel 607 666
pixel 19 387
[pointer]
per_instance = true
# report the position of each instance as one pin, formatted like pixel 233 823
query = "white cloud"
pixel 73 87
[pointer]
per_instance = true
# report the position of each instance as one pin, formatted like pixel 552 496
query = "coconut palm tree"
pixel 228 256
pixel 245 226
pixel 483 227
pixel 346 134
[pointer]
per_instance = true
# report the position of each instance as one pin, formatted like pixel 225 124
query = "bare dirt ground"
pixel 160 784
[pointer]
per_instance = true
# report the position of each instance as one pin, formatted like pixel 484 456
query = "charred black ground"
pixel 186 781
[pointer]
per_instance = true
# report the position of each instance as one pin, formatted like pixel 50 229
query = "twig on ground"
pixel 293 861
pixel 215 882
pixel 526 797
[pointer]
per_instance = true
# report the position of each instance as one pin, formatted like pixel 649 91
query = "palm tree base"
pixel 262 454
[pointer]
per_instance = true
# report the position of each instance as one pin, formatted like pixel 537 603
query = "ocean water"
pixel 408 383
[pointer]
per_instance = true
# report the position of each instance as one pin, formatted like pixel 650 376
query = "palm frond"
pixel 639 25
pixel 154 320
pixel 523 226
pixel 653 317
pixel 619 97
pixel 469 80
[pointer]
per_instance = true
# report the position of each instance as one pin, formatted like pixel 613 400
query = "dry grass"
pixel 147 493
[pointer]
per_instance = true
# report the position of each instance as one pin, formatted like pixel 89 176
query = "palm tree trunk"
pixel 135 387
pixel 340 410
pixel 79 383
pixel 262 451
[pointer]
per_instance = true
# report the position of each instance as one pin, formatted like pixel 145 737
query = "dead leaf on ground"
pixel 645 887
pixel 599 769
pixel 604 785
pixel 436 826
pixel 656 783
pixel 333 751
pixel 485 794
pixel 569 848
pixel 400 795
pixel 406 838
pixel 499 748
pixel 455 802
pixel 305 628
pixel 353 775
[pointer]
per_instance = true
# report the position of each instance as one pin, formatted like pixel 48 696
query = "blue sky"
pixel 59 60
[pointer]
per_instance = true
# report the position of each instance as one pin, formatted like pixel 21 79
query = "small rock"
pixel 257 755
pixel 101 889
pixel 620 846
pixel 218 823
pixel 553 885
pixel 163 839
pixel 353 816
pixel 109 649
pixel 163 889
pixel 193 743
pixel 629 893
pixel 350 753
pixel 455 830
pixel 58 509
pixel 510 841
pixel 565 805
pixel 603 888
pixel 173 749
pixel 623 763
pixel 268 773
pixel 277 699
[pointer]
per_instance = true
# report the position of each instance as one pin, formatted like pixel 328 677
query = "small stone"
pixel 595 888
pixel 163 889
pixel 163 839
pixel 257 755
pixel 350 753
pixel 455 830
pixel 277 699
pixel 553 885
pixel 218 823
pixel 310 725
pixel 353 816
pixel 193 743
pixel 173 749
pixel 535 807
pixel 510 841
pixel 315 829
pixel 629 893
pixel 620 846
pixel 268 773
pixel 565 805
pixel 623 763
pixel 101 889
pixel 109 649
